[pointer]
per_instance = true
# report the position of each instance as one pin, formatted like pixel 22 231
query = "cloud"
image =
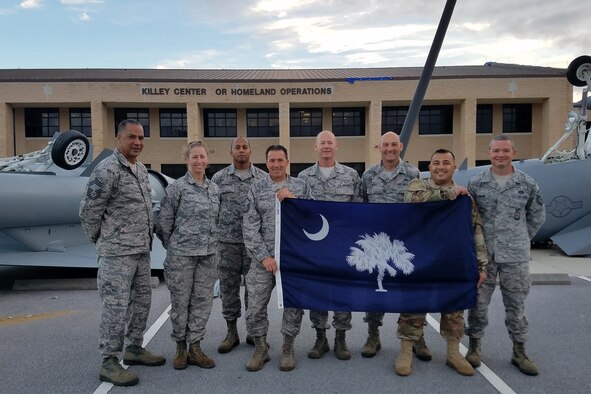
pixel 84 16
pixel 210 58
pixel 81 2
pixel 29 4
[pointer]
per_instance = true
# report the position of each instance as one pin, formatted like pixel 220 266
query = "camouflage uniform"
pixel 343 184
pixel 410 325
pixel 187 228
pixel 259 239
pixel 234 261
pixel 116 215
pixel 511 215
pixel 382 186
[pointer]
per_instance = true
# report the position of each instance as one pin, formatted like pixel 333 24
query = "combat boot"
pixel 198 358
pixel 421 350
pixel 180 358
pixel 249 340
pixel 521 361
pixel 404 360
pixel 340 346
pixel 373 344
pixel 455 360
pixel 137 355
pixel 320 346
pixel 260 356
pixel 232 340
pixel 113 372
pixel 287 362
pixel 473 355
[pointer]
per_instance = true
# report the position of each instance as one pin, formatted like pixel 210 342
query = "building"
pixel 464 106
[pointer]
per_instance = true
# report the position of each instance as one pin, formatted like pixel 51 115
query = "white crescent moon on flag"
pixel 320 235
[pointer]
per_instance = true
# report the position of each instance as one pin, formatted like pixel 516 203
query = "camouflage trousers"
pixel 340 320
pixel 234 263
pixel 374 318
pixel 410 325
pixel 124 287
pixel 260 284
pixel 514 281
pixel 190 280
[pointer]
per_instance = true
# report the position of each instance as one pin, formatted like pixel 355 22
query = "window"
pixel 436 119
pixel 80 121
pixel 516 118
pixel 41 122
pixel 140 114
pixel 348 121
pixel 174 170
pixel 219 123
pixel 213 168
pixel 393 119
pixel 424 165
pixel 296 168
pixel 484 118
pixel 481 162
pixel 262 122
pixel 261 166
pixel 173 122
pixel 359 167
pixel 305 122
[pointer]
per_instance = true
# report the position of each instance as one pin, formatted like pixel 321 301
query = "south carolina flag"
pixel 338 256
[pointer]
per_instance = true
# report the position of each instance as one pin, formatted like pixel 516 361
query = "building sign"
pixel 303 91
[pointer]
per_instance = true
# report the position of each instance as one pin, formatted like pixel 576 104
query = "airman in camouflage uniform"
pixel 187 227
pixel 331 181
pixel 386 182
pixel 512 210
pixel 116 215
pixel 410 325
pixel 259 238
pixel 234 182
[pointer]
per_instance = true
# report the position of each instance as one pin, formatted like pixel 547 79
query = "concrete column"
pixel 101 129
pixel 194 122
pixel 7 147
pixel 465 135
pixel 373 133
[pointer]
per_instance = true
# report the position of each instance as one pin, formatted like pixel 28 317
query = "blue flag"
pixel 338 256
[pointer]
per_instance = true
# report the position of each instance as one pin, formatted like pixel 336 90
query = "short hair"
pixel 275 147
pixel 442 151
pixel 122 126
pixel 502 137
pixel 234 141
pixel 192 145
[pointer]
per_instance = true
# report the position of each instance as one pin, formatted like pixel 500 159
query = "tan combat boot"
pixel 287 362
pixel 421 350
pixel 521 361
pixel 180 358
pixel 404 360
pixel 373 344
pixel 113 372
pixel 455 360
pixel 320 346
pixel 340 346
pixel 137 355
pixel 473 355
pixel 260 355
pixel 232 340
pixel 198 358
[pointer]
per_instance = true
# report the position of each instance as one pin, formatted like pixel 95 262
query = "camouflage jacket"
pixel 187 223
pixel 116 208
pixel 379 186
pixel 343 184
pixel 259 220
pixel 512 214
pixel 233 193
pixel 421 190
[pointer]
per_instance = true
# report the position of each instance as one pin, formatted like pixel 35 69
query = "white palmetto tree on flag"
pixel 375 253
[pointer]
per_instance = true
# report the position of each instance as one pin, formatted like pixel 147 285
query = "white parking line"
pixel 106 387
pixel 584 278
pixel 485 371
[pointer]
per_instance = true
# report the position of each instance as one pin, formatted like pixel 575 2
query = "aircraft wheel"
pixel 575 73
pixel 70 149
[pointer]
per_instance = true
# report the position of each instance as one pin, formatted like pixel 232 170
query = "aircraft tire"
pixel 70 150
pixel 574 72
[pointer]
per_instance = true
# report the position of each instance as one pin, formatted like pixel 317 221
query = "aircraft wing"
pixel 575 240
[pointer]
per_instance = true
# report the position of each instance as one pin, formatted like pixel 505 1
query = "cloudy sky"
pixel 285 33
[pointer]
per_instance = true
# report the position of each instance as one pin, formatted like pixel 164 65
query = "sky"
pixel 286 34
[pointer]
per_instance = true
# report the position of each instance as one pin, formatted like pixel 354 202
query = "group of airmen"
pixel 225 228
